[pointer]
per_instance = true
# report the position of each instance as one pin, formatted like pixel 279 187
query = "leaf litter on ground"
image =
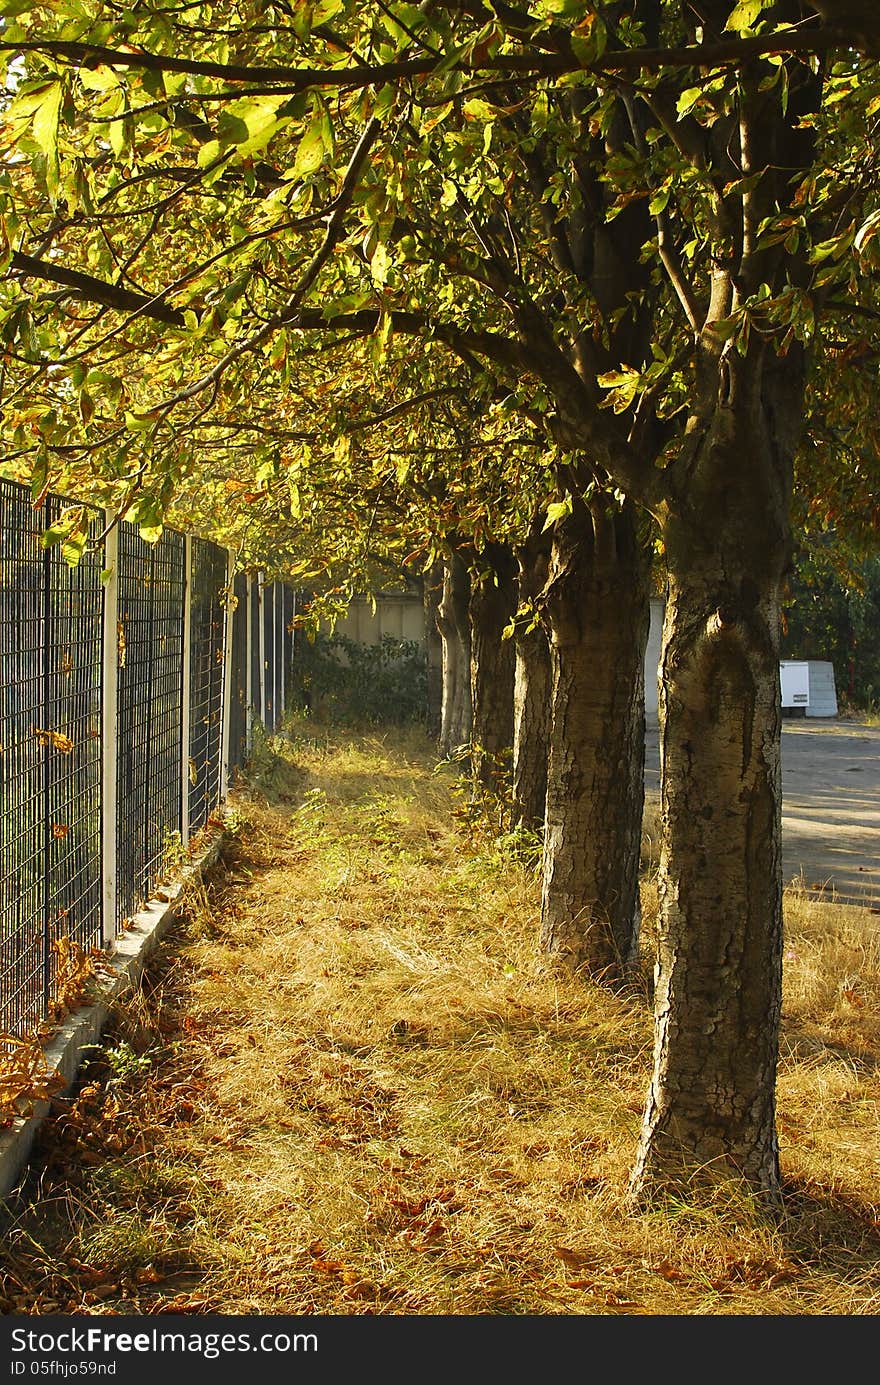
pixel 351 1084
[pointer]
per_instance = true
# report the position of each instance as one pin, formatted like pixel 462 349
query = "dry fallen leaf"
pixel 572 1258
pixel 63 744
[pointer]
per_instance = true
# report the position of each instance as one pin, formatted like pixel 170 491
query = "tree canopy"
pixel 196 198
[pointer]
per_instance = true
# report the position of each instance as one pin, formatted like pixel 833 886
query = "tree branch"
pixel 98 290
pixel 729 52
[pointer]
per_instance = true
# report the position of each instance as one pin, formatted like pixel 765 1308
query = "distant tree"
pixel 828 617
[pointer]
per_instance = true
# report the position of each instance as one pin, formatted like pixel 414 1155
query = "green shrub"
pixel 337 679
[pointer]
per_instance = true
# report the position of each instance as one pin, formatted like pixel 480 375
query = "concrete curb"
pixel 81 1030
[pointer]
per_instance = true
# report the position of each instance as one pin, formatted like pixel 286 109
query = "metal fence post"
pixel 227 675
pixel 186 694
pixel 109 730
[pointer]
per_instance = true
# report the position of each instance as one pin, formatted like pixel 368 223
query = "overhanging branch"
pixel 93 290
pixel 729 52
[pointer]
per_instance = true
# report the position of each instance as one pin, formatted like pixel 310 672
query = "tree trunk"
pixel 492 608
pixel 711 1104
pixel 454 627
pixel 533 681
pixel 432 590
pixel 596 606
pixel 710 1113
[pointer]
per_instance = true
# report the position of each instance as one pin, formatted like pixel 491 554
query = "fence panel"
pixel 267 710
pixel 50 754
pixel 288 610
pixel 73 710
pixel 208 632
pixel 68 854
pixel 151 595
pixel 237 752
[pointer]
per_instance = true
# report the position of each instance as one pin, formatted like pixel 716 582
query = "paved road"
pixel 830 807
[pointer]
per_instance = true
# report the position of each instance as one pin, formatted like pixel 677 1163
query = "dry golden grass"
pixel 353 1086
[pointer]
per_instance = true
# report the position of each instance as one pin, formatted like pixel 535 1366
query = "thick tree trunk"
pixel 533 681
pixel 492 608
pixel 432 590
pixel 711 1104
pixel 596 605
pixel 726 531
pixel 454 627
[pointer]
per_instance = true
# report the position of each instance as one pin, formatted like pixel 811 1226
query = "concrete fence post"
pixel 228 624
pixel 109 730
pixel 249 669
pixel 186 692
pixel 261 634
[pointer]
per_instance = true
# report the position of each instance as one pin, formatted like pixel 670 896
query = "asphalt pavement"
pixel 830 807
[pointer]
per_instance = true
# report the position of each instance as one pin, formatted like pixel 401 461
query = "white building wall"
pixel 823 694
pixel 652 659
pixel 400 615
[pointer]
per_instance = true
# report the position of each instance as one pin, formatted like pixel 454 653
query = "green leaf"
pixel 688 99
pixel 46 116
pixel 29 99
pixel 209 151
pixel 55 533
pixel 231 129
pixel 384 103
pixel 72 547
pixel 342 449
pixel 120 136
pixel 475 109
pixel 139 423
pixel 310 151
pixel 726 327
pixel 98 78
pixel 588 40
pixel 564 9
pixel 746 14
pixel 557 510
pixel 866 232
pixel 380 263
pixel 346 303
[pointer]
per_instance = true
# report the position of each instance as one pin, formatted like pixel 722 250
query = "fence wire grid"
pixel 164 608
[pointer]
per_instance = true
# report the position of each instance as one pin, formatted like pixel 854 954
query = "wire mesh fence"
pixel 150 595
pixel 50 753
pixel 277 605
pixel 208 603
pixel 239 681
pixel 129 686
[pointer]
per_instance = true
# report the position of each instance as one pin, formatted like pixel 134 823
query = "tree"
pixel 829 617
pixel 628 216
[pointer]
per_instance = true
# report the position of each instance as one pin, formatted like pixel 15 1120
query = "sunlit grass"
pixel 368 1092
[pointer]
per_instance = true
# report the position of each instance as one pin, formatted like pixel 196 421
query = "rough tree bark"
pixel 492 607
pixel 596 607
pixel 532 687
pixel 726 523
pixel 711 1103
pixel 454 627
